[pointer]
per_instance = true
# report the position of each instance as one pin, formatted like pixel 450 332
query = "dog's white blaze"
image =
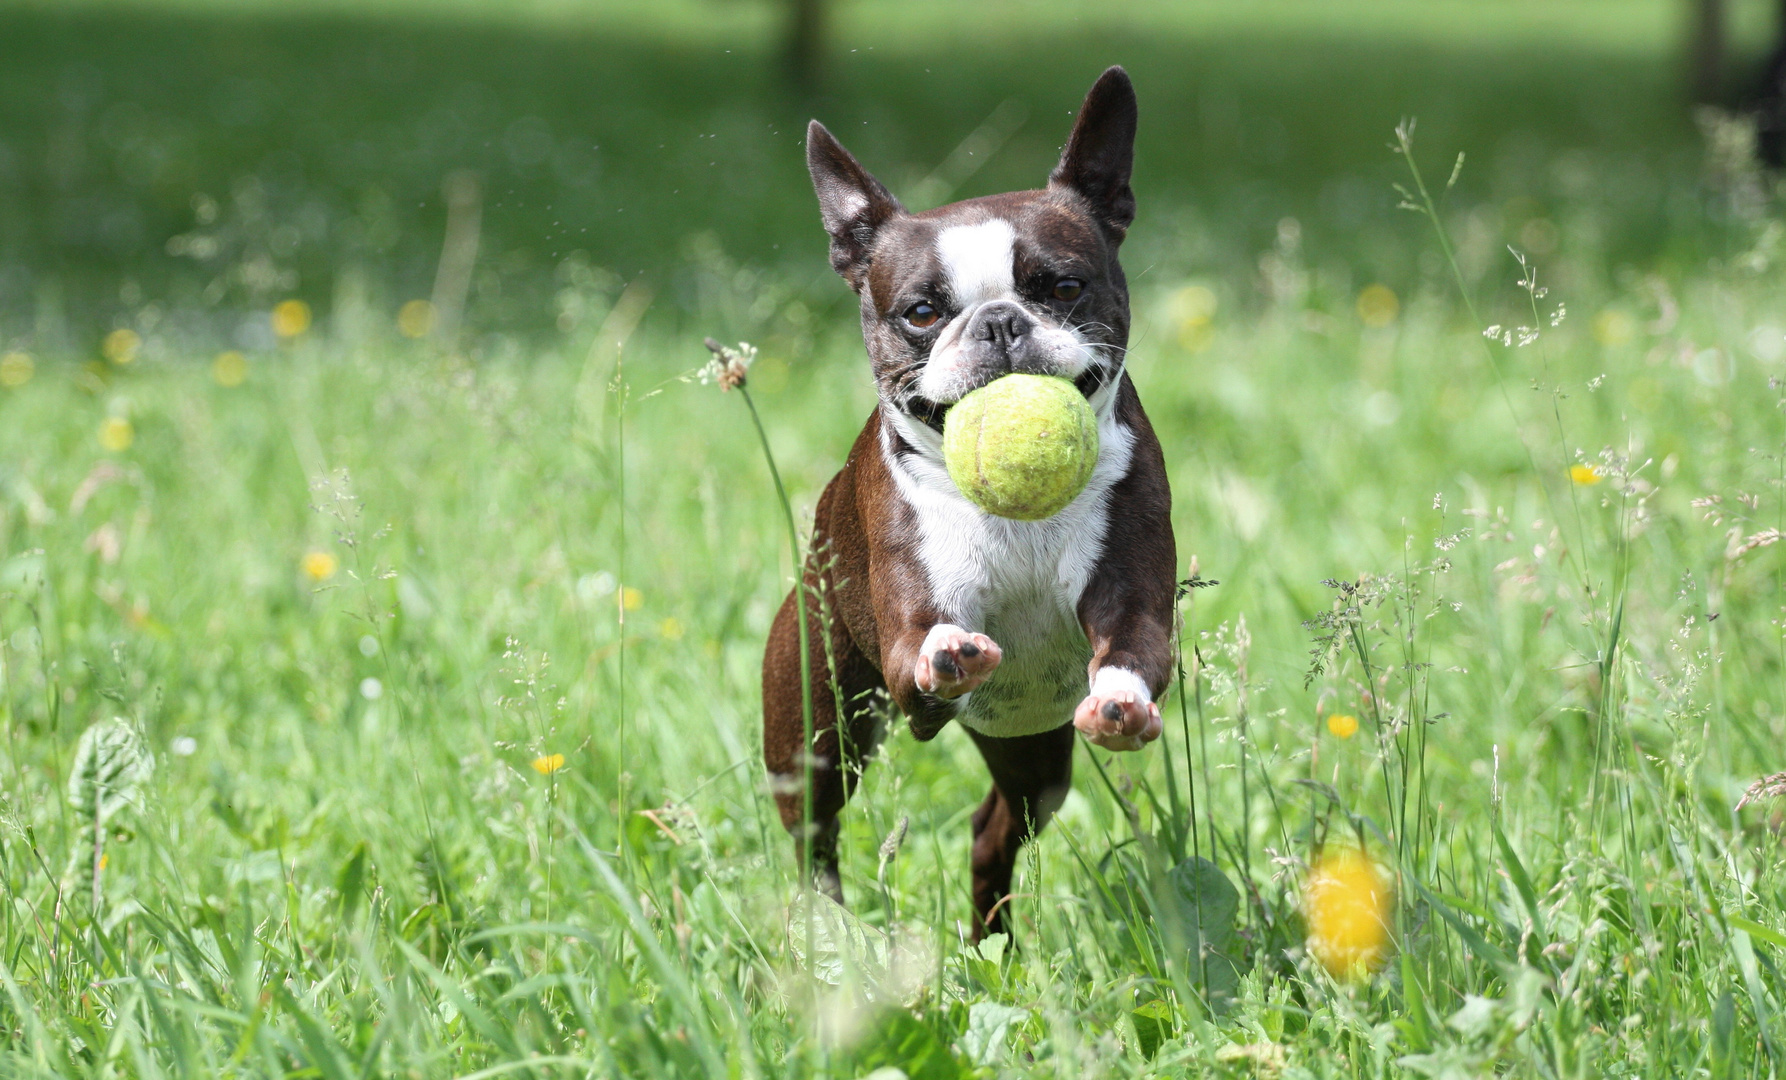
pixel 979 263
pixel 978 260
pixel 1017 582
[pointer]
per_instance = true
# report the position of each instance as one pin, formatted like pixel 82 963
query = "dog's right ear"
pixel 852 203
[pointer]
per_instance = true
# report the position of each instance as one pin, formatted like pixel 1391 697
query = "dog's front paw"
pixel 1119 713
pixel 954 661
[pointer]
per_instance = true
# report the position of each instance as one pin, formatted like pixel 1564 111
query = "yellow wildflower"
pixel 116 434
pixel 1584 474
pixel 671 629
pixel 230 368
pixel 1347 902
pixel 1378 306
pixel 16 369
pixel 548 764
pixel 1192 309
pixel 1614 327
pixel 318 565
pixel 290 318
pixel 121 346
pixel 416 319
pixel 1343 725
pixel 631 599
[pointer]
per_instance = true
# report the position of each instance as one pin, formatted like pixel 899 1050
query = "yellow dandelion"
pixel 1343 725
pixel 1614 327
pixel 230 368
pixel 1378 306
pixel 1346 903
pixel 318 565
pixel 116 434
pixel 671 629
pixel 416 319
pixel 1192 308
pixel 290 318
pixel 16 369
pixel 1584 475
pixel 548 764
pixel 120 346
pixel 631 599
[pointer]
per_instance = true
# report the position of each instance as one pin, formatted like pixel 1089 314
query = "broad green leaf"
pixel 1201 903
pixel 901 1041
pixel 988 1025
pixel 1153 1026
pixel 846 951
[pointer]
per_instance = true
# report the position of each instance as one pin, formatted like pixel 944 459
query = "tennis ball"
pixel 1021 446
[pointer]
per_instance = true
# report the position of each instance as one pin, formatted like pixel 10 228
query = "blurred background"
pixel 178 167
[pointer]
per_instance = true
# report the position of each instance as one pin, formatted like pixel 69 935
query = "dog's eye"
pixel 1068 288
pixel 922 314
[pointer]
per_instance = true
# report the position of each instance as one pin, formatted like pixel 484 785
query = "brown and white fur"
pixel 1021 631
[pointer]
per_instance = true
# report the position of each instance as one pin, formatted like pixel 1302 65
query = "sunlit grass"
pixel 362 608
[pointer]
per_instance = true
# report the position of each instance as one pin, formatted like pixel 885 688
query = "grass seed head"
pixel 729 367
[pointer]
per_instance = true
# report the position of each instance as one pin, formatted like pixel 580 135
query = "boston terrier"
pixel 1020 631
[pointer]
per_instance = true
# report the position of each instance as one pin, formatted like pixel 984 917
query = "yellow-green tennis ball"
pixel 1022 446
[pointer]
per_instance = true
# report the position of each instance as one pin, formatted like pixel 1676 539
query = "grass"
pixel 356 606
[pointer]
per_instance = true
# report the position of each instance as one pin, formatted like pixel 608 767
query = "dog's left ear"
pixel 1101 152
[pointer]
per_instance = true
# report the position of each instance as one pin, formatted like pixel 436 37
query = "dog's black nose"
pixel 1002 323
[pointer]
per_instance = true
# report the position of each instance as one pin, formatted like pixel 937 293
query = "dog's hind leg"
pixel 837 762
pixel 1030 778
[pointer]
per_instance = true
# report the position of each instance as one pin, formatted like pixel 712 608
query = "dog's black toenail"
pixel 1112 712
pixel 969 649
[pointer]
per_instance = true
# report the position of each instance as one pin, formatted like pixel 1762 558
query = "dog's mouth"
pixel 927 412
pixel 932 413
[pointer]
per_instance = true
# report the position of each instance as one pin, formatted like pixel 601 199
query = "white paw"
pixel 1119 713
pixel 954 661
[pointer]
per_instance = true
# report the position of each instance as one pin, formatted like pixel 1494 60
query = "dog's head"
pixel 955 297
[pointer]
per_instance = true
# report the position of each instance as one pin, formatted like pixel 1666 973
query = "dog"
pixel 1020 631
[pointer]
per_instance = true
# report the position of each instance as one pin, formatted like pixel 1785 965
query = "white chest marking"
pixel 1019 582
pixel 978 261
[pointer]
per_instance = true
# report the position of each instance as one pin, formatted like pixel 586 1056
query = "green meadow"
pixel 379 658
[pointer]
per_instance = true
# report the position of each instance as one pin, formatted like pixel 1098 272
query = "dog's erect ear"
pixel 852 203
pixel 1101 152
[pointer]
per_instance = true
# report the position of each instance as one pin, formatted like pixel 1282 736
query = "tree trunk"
pixel 803 49
pixel 1707 55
